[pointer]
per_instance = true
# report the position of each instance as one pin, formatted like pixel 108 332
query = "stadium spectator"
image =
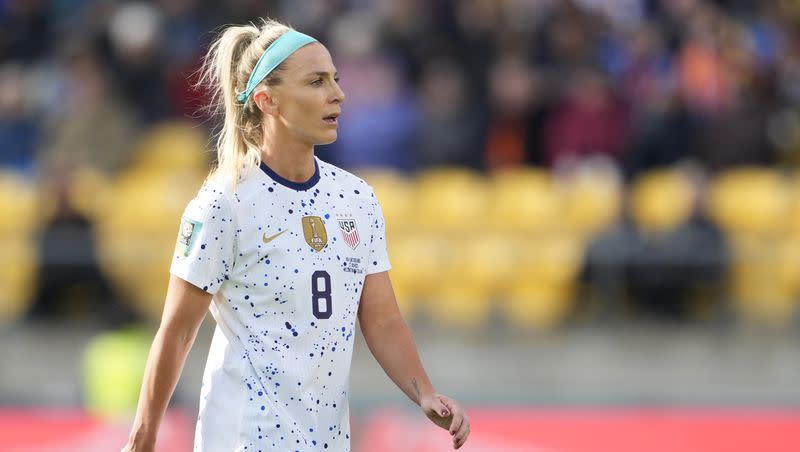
pixel 588 121
pixel 516 102
pixel 683 265
pixel 139 62
pixel 383 113
pixel 451 129
pixel 19 129
pixel 89 98
pixel 69 272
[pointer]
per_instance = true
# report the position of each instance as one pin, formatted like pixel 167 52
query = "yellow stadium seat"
pixel 417 260
pixel 138 266
pixel 20 212
pixel 151 200
pixel 542 289
pixel 137 238
pixel 592 199
pixel 661 200
pixel 793 220
pixel 489 259
pixel 789 263
pixel 755 206
pixel 19 204
pixel 478 268
pixel 764 279
pixel 396 195
pixel 450 200
pixel 538 304
pixel 90 193
pixel 17 276
pixel 460 303
pixel 174 146
pixel 524 200
pixel 150 296
pixel 750 200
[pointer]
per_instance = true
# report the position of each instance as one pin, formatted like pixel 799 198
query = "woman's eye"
pixel 317 82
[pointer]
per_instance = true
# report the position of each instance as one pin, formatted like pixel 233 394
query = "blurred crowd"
pixel 484 84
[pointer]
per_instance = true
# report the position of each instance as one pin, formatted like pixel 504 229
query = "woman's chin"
pixel 328 138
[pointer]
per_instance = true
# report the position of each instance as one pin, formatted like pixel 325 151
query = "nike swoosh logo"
pixel 266 239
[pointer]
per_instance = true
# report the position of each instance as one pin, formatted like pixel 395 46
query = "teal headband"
pixel 280 49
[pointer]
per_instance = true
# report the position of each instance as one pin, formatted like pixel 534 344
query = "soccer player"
pixel 285 250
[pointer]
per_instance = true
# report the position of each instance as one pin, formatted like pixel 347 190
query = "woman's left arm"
pixel 391 343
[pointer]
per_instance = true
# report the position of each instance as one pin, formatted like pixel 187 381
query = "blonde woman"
pixel 285 250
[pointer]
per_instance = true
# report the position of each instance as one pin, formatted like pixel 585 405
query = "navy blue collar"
pixel 293 185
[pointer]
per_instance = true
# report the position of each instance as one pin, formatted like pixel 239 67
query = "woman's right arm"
pixel 184 310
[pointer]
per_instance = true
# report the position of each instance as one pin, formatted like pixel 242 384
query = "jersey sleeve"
pixel 378 255
pixel 205 248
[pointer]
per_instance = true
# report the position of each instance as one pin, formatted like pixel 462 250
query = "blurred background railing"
pixel 617 176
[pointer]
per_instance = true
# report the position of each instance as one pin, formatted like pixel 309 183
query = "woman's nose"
pixel 338 94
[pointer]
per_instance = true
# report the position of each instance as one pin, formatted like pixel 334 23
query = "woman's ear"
pixel 265 101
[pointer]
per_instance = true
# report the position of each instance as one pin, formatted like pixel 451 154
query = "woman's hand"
pixel 447 414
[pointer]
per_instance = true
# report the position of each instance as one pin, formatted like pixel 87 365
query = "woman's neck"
pixel 290 159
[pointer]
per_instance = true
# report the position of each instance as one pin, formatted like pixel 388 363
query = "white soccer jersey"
pixel 286 263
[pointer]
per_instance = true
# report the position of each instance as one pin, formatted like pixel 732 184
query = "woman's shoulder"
pixel 216 192
pixel 221 185
pixel 348 181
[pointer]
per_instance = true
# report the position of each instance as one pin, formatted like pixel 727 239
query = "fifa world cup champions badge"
pixel 315 233
pixel 186 235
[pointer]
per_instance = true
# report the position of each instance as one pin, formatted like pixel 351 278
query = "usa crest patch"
pixel 349 231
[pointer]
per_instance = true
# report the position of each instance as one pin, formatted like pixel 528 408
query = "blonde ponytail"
pixel 225 70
